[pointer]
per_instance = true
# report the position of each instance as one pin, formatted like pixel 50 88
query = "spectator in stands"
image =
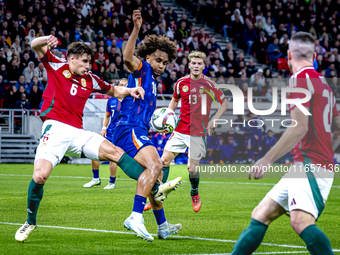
pixel 169 81
pixel 21 82
pixel 13 71
pixel 249 37
pixel 35 97
pixel 260 47
pixel 38 83
pixel 331 71
pixel 335 86
pixel 111 73
pixel 41 73
pixel 89 34
pixel 251 69
pixel 274 51
pixel 269 27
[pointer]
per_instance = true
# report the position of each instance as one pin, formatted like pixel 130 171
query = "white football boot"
pixel 110 186
pixel 93 182
pixel 166 229
pixel 137 226
pixel 165 188
pixel 23 232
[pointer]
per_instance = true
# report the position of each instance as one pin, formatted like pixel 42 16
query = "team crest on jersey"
pixel 67 74
pixel 83 82
pixel 185 89
pixel 201 90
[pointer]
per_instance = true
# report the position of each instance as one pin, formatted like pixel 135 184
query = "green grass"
pixel 226 208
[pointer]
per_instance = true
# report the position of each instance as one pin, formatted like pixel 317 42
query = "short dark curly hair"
pixel 152 42
pixel 78 49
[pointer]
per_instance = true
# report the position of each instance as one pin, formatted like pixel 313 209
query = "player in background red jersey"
pixel 70 84
pixel 193 126
pixel 303 191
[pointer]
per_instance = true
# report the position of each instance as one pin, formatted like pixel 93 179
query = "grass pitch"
pixel 77 220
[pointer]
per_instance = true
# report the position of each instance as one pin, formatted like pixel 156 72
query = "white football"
pixel 163 120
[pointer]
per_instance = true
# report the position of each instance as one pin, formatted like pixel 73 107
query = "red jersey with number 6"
pixel 66 94
pixel 196 99
pixel 316 144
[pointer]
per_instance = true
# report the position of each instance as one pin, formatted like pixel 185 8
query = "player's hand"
pixel 103 132
pixel 211 128
pixel 137 92
pixel 52 41
pixel 137 19
pixel 259 168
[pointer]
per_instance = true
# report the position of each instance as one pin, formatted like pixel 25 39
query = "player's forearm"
pixel 119 92
pixel 173 104
pixel 221 110
pixel 39 42
pixel 130 46
pixel 106 120
pixel 289 139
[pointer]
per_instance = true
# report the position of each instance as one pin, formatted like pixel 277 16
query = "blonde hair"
pixel 197 54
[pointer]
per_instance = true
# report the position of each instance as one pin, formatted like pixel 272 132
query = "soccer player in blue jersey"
pixel 109 123
pixel 131 132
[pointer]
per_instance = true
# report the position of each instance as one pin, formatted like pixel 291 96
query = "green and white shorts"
pixel 179 142
pixel 305 187
pixel 59 139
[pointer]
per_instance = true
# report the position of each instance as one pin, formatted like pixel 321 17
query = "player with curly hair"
pixel 131 133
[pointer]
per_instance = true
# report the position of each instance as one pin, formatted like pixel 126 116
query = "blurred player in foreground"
pixel 109 123
pixel 131 133
pixel 193 126
pixel 70 83
pixel 303 191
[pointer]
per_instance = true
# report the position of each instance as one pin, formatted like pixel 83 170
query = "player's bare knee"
pixel 39 176
pixel 156 168
pixel 248 147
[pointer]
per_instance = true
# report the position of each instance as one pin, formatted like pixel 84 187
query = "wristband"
pixel 104 127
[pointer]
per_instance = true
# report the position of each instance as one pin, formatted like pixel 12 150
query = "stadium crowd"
pixel 261 28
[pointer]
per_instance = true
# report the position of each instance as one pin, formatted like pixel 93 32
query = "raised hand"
pixel 137 19
pixel 52 41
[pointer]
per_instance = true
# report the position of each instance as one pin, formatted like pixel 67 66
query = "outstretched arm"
pixel 288 140
pixel 40 44
pixel 122 92
pixel 130 60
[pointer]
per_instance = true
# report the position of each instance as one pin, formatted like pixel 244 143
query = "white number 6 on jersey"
pixel 73 90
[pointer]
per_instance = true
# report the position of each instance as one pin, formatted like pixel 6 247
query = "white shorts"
pixel 303 190
pixel 59 139
pixel 179 142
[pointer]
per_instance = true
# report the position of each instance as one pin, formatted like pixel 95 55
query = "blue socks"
pixel 95 173
pixel 160 216
pixel 112 179
pixel 139 204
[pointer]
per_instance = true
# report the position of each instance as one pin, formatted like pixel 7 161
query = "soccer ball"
pixel 163 120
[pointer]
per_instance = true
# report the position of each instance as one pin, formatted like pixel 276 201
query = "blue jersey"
pixel 137 113
pixel 255 127
pixel 269 142
pixel 113 107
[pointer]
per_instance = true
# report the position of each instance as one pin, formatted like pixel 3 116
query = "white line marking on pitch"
pixel 125 179
pixel 176 236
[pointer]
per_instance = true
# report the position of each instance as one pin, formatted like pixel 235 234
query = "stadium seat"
pixel 2 103
pixel 282 65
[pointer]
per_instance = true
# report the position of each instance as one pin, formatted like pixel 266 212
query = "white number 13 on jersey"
pixel 73 90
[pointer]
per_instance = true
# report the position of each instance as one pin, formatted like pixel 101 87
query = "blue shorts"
pixel 253 142
pixel 131 139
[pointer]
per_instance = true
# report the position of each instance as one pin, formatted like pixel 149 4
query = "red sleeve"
pixel 99 85
pixel 299 82
pixel 51 61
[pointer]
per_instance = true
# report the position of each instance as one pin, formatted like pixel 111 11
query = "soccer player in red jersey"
pixel 304 189
pixel 193 125
pixel 70 84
